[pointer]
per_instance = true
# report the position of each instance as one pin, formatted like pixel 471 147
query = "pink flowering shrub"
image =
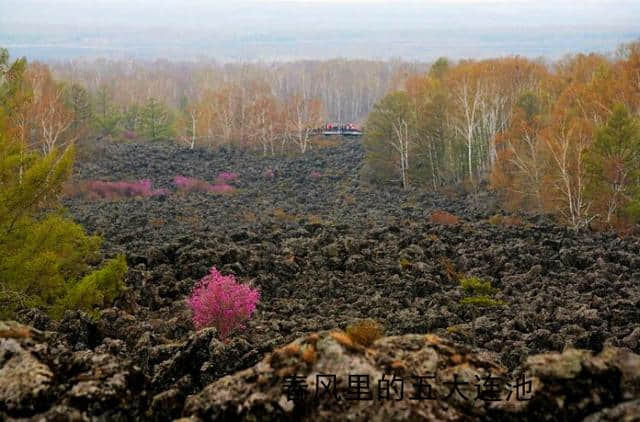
pixel 190 184
pixel 222 188
pixel 226 177
pixel 221 302
pixel 315 175
pixel 269 174
pixel 129 135
pixel 98 189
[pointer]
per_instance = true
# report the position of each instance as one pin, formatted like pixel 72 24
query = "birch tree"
pixel 50 119
pixel 303 115
pixel 388 140
pixel 468 98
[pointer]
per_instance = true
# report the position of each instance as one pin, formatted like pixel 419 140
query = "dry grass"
pixel 191 220
pixel 316 219
pixel 249 216
pixel 323 142
pixel 283 355
pixel 15 332
pixel 506 220
pixel 290 350
pixel 282 215
pixel 399 364
pixel 344 339
pixel 444 218
pixel 365 332
pixel 309 354
pixel 312 339
pixel 449 269
pixel 624 227
pixel 72 189
pixel 348 199
pixel 450 192
pixel 158 222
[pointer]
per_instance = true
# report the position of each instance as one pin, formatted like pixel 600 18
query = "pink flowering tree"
pixel 98 189
pixel 221 302
pixel 190 184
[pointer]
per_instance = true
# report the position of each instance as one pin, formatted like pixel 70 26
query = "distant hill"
pixel 292 30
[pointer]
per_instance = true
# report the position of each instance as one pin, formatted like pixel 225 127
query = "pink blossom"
pixel 315 175
pixel 98 189
pixel 221 302
pixel 128 134
pixel 269 174
pixel 226 176
pixel 189 184
pixel 222 188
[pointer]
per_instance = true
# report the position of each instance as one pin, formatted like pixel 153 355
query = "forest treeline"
pixel 267 107
pixel 559 138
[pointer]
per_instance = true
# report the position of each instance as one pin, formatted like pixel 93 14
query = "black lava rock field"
pixel 325 249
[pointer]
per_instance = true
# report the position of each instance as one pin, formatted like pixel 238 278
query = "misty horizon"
pixel 292 30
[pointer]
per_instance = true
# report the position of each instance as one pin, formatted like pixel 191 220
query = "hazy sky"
pixel 290 29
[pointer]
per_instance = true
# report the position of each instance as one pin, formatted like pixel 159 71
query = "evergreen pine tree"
pixel 106 116
pixel 79 102
pixel 44 257
pixel 613 166
pixel 156 122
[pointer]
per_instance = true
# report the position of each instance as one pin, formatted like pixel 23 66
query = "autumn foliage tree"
pixel 302 116
pixel 270 107
pixel 519 169
pixel 552 156
pixel 532 130
pixel 456 114
pixel 46 120
pixel 266 125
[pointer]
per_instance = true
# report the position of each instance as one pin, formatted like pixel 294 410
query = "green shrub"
pixel 95 290
pixel 477 294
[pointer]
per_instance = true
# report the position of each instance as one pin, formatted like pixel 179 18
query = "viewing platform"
pixel 348 130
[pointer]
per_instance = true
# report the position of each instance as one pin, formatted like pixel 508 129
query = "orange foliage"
pixel 540 153
pixel 507 220
pixel 444 218
pixel 309 354
pixel 45 122
pixel 346 341
pixel 449 269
